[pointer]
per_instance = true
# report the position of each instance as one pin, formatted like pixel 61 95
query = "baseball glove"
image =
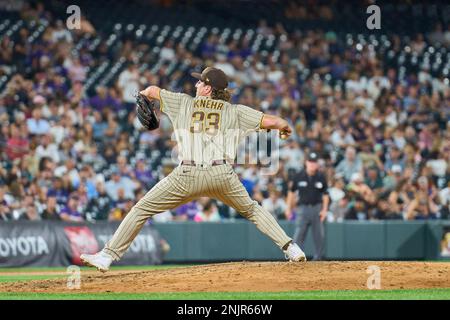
pixel 145 109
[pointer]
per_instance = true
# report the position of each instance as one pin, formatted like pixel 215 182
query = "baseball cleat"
pixel 100 260
pixel 294 253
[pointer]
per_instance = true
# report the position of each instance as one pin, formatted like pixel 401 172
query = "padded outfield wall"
pixel 240 240
pixel 60 244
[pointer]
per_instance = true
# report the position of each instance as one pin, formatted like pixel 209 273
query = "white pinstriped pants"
pixel 185 184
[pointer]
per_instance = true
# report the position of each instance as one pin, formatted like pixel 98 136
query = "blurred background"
pixel 374 104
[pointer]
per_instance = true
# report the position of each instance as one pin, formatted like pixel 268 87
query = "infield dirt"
pixel 251 276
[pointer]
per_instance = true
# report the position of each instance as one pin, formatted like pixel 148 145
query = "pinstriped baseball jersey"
pixel 207 129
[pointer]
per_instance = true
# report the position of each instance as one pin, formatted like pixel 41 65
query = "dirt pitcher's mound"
pixel 254 276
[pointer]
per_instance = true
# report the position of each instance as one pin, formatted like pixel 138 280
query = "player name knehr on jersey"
pixel 206 103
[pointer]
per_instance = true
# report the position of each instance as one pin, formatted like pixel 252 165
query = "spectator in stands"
pixel 423 206
pixel 61 33
pixel 187 211
pixel 6 53
pixel 357 210
pixel 337 68
pixel 209 213
pixel 263 28
pixel 361 190
pixel 70 211
pixel 167 52
pixel 143 175
pixel 208 48
pixel 225 65
pixel 444 200
pixel 247 182
pixel 373 180
pixel 392 179
pixel 87 179
pixel 341 138
pixel 99 208
pixel 384 211
pixel 350 164
pixel 123 168
pixel 51 210
pixel 293 155
pixel 123 203
pixel 37 125
pixel 338 200
pixel 129 84
pixel 27 210
pixel 119 182
pixel 339 210
pixel 77 72
pixel 31 214
pixel 112 131
pixel 5 210
pixel 17 145
pixel 399 198
pixel 69 172
pixel 47 149
pixel 394 158
pixel 165 216
pixel 99 126
pixel 275 204
pixel 100 101
pixel 116 214
pixel 59 190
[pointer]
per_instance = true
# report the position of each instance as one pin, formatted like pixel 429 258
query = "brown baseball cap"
pixel 213 77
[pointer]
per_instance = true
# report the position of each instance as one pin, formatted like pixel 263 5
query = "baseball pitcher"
pixel 208 129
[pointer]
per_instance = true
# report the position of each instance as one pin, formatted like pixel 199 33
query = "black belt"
pixel 213 163
pixel 310 204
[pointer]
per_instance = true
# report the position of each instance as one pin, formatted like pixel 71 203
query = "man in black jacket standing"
pixel 313 201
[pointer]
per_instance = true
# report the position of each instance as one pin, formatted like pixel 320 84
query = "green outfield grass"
pixel 419 294
pixel 422 294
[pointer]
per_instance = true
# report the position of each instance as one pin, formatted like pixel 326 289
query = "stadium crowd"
pixel 68 154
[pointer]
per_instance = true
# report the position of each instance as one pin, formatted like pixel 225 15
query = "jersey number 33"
pixel 205 122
